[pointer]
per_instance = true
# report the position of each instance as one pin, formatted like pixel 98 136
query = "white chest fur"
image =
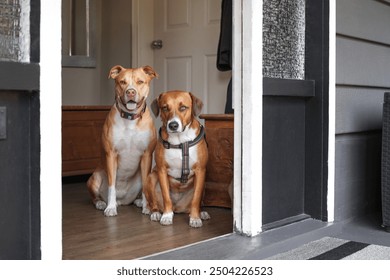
pixel 130 143
pixel 174 156
pixel 175 159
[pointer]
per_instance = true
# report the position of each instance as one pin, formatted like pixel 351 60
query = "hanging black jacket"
pixel 224 54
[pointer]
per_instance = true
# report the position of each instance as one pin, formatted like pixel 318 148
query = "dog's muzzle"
pixel 174 125
pixel 130 98
pixel 131 93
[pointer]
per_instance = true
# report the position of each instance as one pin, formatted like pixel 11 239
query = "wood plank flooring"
pixel 89 235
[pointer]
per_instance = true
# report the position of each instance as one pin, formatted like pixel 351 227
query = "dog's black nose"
pixel 173 125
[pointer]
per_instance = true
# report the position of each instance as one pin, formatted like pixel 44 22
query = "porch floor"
pixel 364 229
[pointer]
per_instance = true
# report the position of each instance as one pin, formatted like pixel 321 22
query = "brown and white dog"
pixel 176 184
pixel 128 138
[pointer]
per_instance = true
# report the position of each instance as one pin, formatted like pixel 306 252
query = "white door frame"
pixel 248 115
pixel 248 96
pixel 50 127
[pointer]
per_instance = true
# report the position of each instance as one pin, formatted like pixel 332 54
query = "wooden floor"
pixel 89 235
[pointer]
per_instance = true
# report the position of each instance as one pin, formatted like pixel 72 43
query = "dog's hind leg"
pixel 132 190
pixel 94 184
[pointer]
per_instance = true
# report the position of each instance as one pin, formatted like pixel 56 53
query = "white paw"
pixel 155 216
pixel 146 211
pixel 110 212
pixel 138 202
pixel 166 219
pixel 195 222
pixel 100 205
pixel 204 215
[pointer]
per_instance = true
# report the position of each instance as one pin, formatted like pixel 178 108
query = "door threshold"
pixel 199 243
pixel 286 221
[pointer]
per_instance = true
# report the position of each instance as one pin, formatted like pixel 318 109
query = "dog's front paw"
pixel 110 212
pixel 155 216
pixel 100 205
pixel 204 215
pixel 146 211
pixel 167 219
pixel 138 202
pixel 195 222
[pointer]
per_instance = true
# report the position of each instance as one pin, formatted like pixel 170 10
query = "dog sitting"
pixel 176 184
pixel 128 138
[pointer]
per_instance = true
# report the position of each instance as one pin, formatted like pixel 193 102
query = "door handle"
pixel 157 44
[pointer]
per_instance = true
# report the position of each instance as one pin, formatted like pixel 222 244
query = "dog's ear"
pixel 154 107
pixel 114 72
pixel 150 71
pixel 197 105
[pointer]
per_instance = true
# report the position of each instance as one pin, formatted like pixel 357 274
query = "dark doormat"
pixel 329 248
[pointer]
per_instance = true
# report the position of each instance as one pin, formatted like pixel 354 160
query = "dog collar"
pixel 130 116
pixel 185 170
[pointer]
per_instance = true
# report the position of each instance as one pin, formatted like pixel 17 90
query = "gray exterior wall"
pixel 362 77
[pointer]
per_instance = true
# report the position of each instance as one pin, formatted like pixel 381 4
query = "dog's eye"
pixel 122 82
pixel 182 108
pixel 140 82
pixel 164 109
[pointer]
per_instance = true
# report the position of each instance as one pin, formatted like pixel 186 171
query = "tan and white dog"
pixel 176 184
pixel 128 138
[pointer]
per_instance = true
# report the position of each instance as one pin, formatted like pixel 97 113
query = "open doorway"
pixel 88 96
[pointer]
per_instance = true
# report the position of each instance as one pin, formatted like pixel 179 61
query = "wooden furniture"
pixel 81 138
pixel 219 135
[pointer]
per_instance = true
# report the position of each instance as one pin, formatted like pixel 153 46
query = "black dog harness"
pixel 185 170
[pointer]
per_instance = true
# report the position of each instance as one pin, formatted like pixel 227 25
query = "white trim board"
pixel 248 106
pixel 332 111
pixel 50 126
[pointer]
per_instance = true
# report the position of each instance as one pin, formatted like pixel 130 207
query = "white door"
pixel 189 31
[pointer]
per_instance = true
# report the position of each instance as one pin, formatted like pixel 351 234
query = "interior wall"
pixel 91 86
pixel 363 64
pixel 115 43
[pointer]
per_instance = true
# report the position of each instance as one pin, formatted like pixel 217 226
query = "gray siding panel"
pixel 362 63
pixel 358 109
pixel 363 19
pixel 358 162
pixel 362 77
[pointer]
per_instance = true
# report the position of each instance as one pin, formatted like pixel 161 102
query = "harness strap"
pixel 185 169
pixel 185 147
